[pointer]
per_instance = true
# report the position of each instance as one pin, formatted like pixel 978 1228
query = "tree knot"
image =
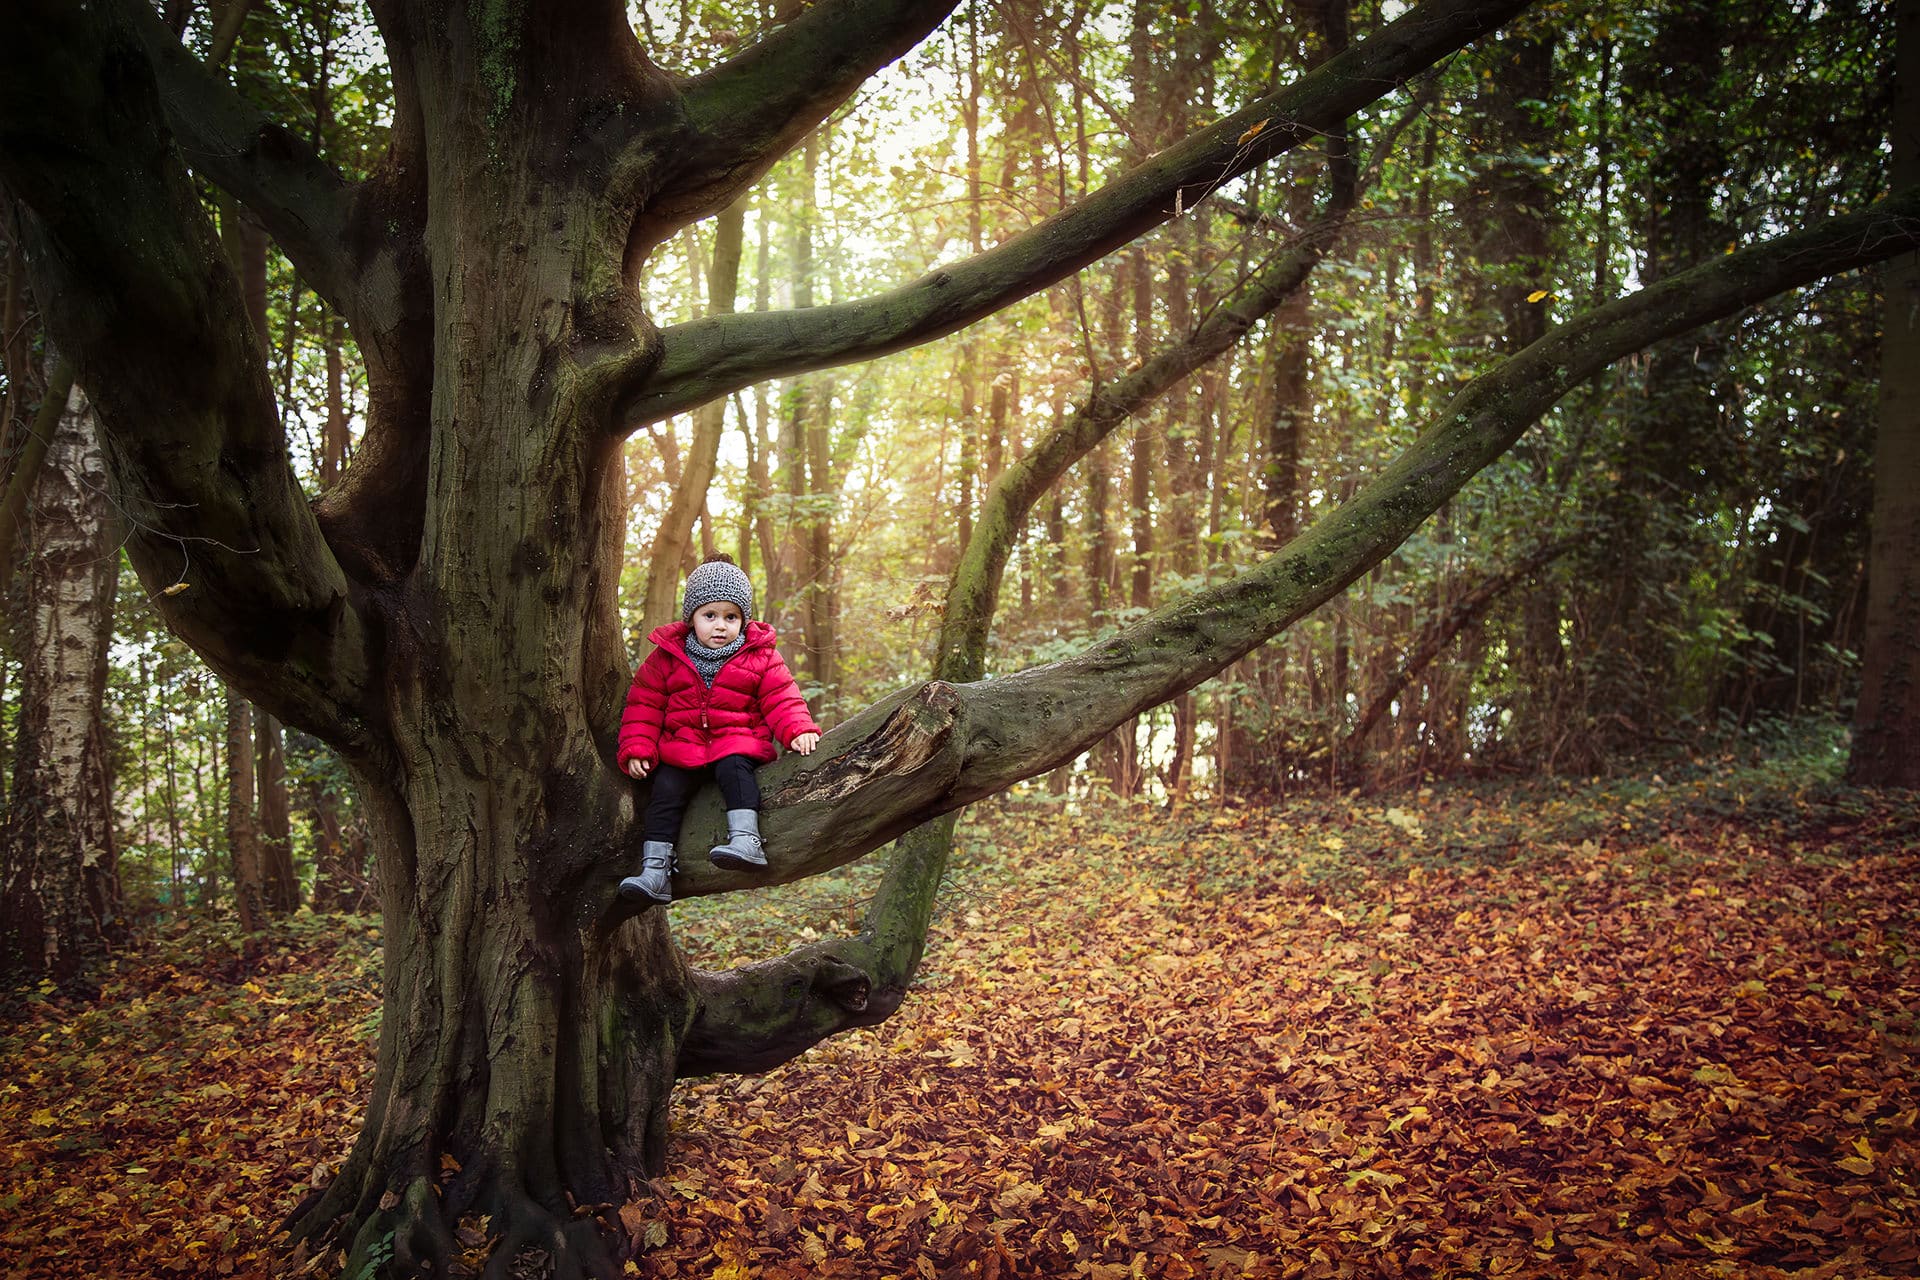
pixel 914 735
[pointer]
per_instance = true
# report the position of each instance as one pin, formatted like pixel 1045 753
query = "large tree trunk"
pixel 59 889
pixel 532 1032
pixel 1886 721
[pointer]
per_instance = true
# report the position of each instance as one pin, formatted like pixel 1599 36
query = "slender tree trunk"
pixel 336 432
pixel 176 846
pixel 1182 555
pixel 243 831
pixel 1099 565
pixel 760 462
pixel 339 876
pixel 806 454
pixel 1886 720
pixel 276 815
pixel 206 776
pixel 823 595
pixel 204 786
pixel 672 545
pixel 58 867
pixel 14 347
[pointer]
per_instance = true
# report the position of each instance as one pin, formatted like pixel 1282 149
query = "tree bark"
pixel 27 464
pixel 244 852
pixel 275 817
pixel 58 867
pixel 1886 720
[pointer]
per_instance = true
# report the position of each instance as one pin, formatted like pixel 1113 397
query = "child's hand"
pixel 806 742
pixel 639 768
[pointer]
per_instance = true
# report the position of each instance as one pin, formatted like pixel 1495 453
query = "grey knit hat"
pixel 718 579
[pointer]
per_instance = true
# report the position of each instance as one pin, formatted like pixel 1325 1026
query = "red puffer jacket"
pixel 672 716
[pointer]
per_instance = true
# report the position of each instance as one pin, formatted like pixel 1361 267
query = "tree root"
pixel 411 1234
pixel 407 1236
pixel 577 1246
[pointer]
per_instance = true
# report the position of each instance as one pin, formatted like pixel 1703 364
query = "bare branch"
pixel 710 357
pixel 749 111
pixel 1439 631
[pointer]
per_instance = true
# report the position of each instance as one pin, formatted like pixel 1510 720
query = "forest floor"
pixel 1657 1026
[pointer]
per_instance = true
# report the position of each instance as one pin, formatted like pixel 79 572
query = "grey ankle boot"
pixel 655 881
pixel 742 851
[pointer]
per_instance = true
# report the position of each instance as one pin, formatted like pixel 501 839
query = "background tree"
pixel 58 863
pixel 1886 747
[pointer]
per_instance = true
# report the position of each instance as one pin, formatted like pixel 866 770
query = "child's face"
pixel 716 624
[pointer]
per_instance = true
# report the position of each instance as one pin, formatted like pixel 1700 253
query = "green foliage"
pixel 1714 580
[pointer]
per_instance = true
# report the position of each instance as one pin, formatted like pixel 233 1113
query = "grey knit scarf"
pixel 709 661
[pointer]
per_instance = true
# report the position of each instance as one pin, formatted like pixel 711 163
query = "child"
pixel 712 696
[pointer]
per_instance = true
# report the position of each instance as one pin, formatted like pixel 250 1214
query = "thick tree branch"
pixel 929 751
pixel 756 1017
pixel 746 113
pixel 710 357
pixel 26 467
pixel 138 295
pixel 298 197
pixel 1045 715
pixel 358 246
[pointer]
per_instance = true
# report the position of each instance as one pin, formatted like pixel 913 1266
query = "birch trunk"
pixel 61 897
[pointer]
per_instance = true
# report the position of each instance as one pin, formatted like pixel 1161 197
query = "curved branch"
pixel 754 1017
pixel 299 198
pixel 710 357
pixel 33 454
pixel 137 294
pixel 746 113
pixel 968 616
pixel 1053 713
pixel 760 1015
pixel 928 751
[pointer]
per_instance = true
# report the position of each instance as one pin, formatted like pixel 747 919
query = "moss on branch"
pixel 1019 726
pixel 710 357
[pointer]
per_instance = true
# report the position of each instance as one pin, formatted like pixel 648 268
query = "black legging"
pixel 673 787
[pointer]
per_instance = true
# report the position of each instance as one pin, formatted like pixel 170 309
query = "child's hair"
pixel 718 578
